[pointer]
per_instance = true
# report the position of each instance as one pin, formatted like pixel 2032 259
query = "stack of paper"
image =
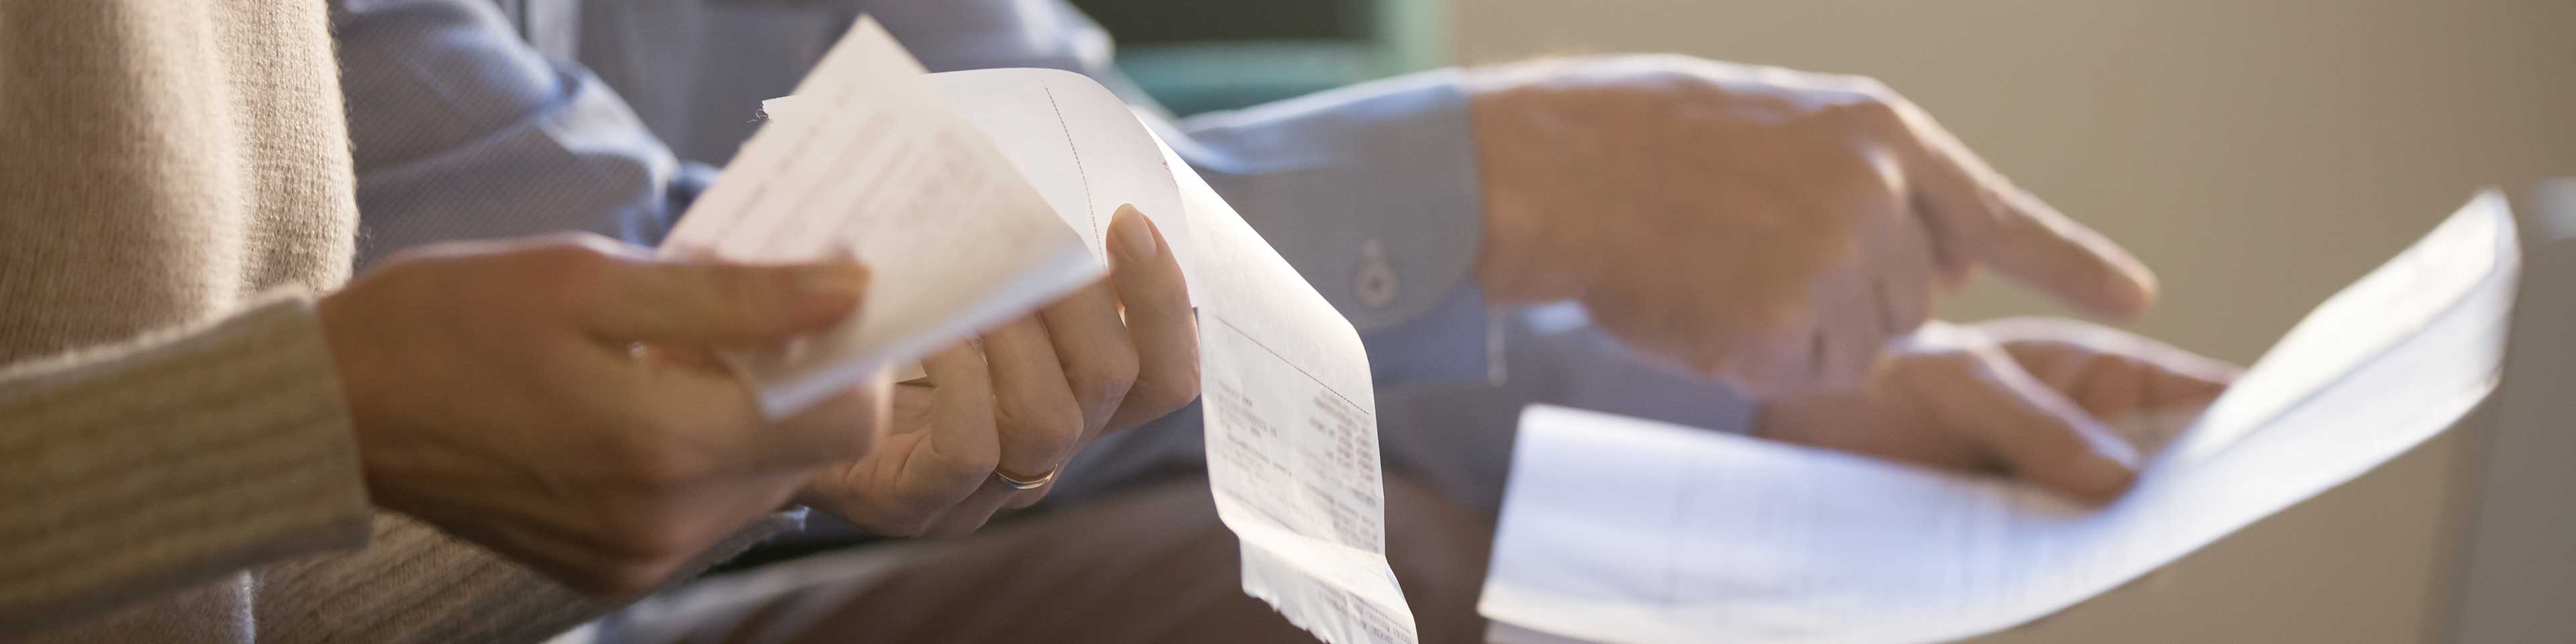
pixel 977 196
pixel 1622 530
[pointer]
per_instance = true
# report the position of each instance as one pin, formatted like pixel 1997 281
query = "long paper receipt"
pixel 1291 417
pixel 1623 530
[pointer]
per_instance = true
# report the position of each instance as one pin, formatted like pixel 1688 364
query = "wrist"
pixel 352 358
pixel 1504 266
pixel 1509 127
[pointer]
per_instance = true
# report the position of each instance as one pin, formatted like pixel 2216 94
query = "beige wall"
pixel 2257 153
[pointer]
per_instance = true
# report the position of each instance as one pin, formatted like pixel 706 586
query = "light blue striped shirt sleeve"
pixel 1371 192
pixel 461 131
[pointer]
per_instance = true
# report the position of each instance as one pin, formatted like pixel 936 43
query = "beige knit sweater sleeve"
pixel 155 465
pixel 173 181
pixel 197 452
pixel 176 456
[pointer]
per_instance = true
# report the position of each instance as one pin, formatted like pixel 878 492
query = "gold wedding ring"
pixel 1025 483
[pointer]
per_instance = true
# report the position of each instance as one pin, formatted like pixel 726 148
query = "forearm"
pixel 140 469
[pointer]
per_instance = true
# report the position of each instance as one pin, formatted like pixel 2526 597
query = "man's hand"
pixel 1768 227
pixel 2029 396
pixel 1040 390
pixel 519 394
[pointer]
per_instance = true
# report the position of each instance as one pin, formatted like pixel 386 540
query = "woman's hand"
pixel 1021 402
pixel 517 394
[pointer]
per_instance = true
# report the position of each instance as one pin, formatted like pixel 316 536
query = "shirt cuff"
pixel 1371 192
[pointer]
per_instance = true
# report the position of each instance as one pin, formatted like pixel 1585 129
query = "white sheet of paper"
pixel 1291 420
pixel 1070 138
pixel 1623 530
pixel 1073 140
pixel 892 174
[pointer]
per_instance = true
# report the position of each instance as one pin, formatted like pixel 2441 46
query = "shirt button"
pixel 1376 280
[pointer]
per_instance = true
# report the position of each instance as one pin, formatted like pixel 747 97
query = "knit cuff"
pixel 162 463
pixel 414 583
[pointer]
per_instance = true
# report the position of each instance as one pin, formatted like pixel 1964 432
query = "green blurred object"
pixel 1197 56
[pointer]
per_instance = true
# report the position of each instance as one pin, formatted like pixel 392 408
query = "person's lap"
pixel 1152 564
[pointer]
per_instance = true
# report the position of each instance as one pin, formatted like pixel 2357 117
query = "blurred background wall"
pixel 2258 153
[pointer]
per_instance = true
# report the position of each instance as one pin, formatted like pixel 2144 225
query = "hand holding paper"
pixel 1290 416
pixel 1043 388
pixel 896 177
pixel 581 447
pixel 2061 403
pixel 1621 530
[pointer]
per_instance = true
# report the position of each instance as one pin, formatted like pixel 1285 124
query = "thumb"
pixel 708 302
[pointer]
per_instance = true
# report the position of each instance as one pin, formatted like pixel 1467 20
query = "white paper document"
pixel 1071 139
pixel 1291 421
pixel 1623 530
pixel 1292 444
pixel 895 176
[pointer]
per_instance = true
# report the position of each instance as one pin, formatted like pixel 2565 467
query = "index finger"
pixel 1978 217
pixel 654 390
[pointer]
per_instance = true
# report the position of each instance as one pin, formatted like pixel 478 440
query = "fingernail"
pixel 844 280
pixel 1136 240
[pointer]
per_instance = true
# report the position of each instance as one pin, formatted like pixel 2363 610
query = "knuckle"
pixel 1167 389
pixel 956 477
pixel 1050 442
pixel 1103 378
pixel 1870 87
pixel 575 263
pixel 1876 115
pixel 1042 422
pixel 962 471
pixel 1869 106
pixel 1857 180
